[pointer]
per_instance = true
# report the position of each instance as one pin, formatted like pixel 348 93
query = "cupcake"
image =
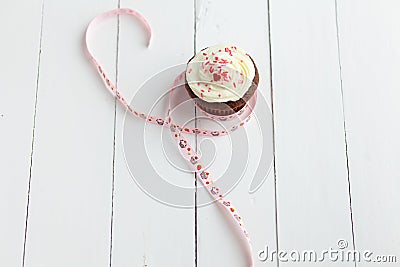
pixel 221 79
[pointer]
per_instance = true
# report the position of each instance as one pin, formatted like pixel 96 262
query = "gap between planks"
pixel 344 126
pixel 273 124
pixel 114 137
pixel 33 134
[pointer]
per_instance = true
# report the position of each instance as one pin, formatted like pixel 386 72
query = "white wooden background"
pixel 66 195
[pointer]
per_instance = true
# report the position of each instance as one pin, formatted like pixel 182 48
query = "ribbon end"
pixel 148 42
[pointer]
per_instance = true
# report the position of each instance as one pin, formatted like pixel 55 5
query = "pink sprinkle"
pixel 190 70
pixel 216 77
pixel 219 95
pixel 234 84
pixel 211 69
pixel 198 84
pixel 204 54
pixel 240 81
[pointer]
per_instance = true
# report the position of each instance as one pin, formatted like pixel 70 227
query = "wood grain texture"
pixel 69 214
pixel 217 22
pixel 73 167
pixel 312 187
pixel 19 70
pixel 370 57
pixel 147 232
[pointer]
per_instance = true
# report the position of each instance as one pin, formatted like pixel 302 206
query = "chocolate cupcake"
pixel 221 79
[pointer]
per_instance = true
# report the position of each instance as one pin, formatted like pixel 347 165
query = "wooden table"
pixel 329 69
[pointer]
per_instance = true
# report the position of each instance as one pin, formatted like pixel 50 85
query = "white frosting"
pixel 220 73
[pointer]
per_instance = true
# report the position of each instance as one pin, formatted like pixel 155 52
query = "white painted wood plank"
pixel 20 25
pixel 312 188
pixel 69 215
pixel 145 231
pixel 370 57
pixel 244 25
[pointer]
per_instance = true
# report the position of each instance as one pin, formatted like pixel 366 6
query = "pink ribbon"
pixel 178 132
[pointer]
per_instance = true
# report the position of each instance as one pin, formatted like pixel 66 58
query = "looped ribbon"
pixel 177 131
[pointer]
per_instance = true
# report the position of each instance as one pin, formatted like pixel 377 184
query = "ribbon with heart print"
pixel 178 132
